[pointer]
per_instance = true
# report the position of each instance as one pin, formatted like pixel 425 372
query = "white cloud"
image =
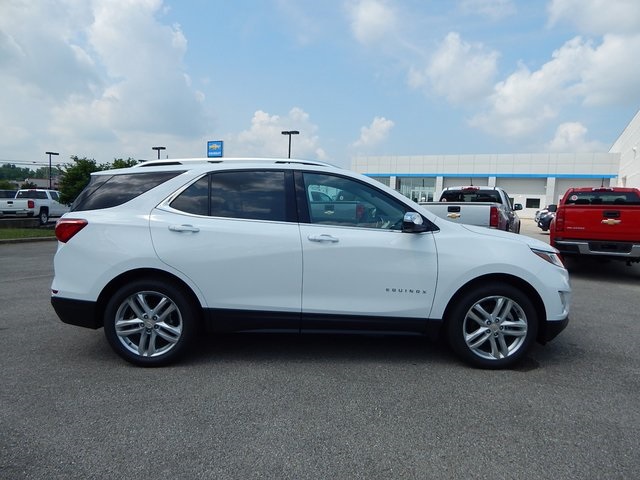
pixel 597 17
pixel 611 74
pixel 264 138
pixel 458 70
pixel 571 137
pixel 375 133
pixel 372 20
pixel 578 73
pixel 88 77
pixel 492 9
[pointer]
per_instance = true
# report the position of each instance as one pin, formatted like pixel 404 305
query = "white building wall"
pixel 627 146
pixel 542 176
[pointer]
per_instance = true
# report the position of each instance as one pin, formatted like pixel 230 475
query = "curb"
pixel 27 240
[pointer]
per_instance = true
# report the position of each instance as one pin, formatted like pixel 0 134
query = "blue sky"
pixel 110 79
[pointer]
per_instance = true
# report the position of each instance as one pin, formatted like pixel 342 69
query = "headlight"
pixel 551 257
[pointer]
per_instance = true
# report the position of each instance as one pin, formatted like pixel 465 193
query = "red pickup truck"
pixel 602 222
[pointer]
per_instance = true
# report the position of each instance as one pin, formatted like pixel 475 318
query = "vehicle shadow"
pixel 338 348
pixel 325 348
pixel 602 269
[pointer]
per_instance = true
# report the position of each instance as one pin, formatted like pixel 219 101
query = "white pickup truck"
pixel 477 205
pixel 37 202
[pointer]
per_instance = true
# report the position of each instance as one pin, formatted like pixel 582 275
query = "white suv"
pixel 158 251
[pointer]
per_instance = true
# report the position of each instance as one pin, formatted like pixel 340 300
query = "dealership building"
pixel 532 179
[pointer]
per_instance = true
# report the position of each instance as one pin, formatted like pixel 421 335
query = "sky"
pixel 108 79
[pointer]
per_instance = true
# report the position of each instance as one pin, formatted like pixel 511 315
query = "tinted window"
pixel 32 194
pixel 604 197
pixel 336 200
pixel 106 191
pixel 470 195
pixel 256 195
pixel 195 199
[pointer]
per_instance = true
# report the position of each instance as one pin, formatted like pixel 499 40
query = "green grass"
pixel 13 233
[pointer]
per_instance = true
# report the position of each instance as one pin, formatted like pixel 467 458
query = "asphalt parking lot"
pixel 318 407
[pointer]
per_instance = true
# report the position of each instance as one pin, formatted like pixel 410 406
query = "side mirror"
pixel 517 206
pixel 413 223
pixel 553 207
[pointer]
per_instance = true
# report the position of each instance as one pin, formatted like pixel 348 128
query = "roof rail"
pixel 190 161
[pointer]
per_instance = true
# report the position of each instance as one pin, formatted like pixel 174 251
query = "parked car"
pixel 544 221
pixel 599 222
pixel 155 252
pixel 549 208
pixel 475 205
pixel 30 202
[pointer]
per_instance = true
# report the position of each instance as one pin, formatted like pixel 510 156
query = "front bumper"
pixel 550 330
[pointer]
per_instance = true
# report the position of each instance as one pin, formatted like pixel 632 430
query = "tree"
pixel 120 163
pixel 43 172
pixel 9 171
pixel 28 185
pixel 7 185
pixel 75 177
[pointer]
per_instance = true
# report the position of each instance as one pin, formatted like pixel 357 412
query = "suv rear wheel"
pixel 150 323
pixel 492 326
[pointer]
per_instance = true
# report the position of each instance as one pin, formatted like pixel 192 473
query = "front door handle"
pixel 183 228
pixel 323 238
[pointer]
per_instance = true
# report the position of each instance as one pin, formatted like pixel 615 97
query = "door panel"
pixel 232 233
pixel 366 266
pixel 237 264
pixel 367 272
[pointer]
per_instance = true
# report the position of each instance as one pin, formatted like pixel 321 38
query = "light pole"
pixel 290 132
pixel 158 150
pixel 50 153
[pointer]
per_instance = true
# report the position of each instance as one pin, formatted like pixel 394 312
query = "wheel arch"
pixel 512 280
pixel 132 275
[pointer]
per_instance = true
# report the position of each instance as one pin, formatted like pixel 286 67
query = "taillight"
pixel 31 204
pixel 493 217
pixel 559 221
pixel 66 228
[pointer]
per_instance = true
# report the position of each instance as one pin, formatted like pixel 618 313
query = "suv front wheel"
pixel 150 323
pixel 492 326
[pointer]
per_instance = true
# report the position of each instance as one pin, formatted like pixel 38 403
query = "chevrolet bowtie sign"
pixel 214 148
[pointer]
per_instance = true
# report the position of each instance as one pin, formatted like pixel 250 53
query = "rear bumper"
pixel 622 250
pixel 77 312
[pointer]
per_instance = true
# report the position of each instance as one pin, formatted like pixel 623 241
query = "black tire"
pixel 150 323
pixel 43 216
pixel 492 326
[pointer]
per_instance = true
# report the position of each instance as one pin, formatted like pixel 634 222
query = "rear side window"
pixel 106 191
pixel 255 195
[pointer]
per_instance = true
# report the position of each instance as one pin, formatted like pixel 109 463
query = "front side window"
pixel 335 200
pixel 254 195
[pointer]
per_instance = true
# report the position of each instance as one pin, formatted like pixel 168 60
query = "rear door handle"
pixel 323 238
pixel 183 228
